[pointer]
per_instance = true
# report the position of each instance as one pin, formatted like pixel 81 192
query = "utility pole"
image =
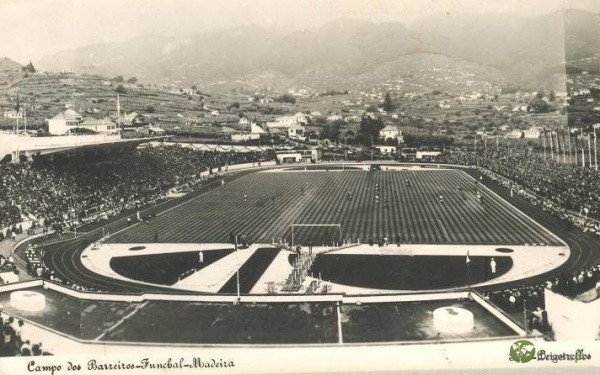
pixel 569 139
pixel 595 152
pixel 485 144
pixel 590 150
pixel 563 149
pixel 551 146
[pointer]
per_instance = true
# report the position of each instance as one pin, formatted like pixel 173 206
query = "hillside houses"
pixel 291 126
pixel 532 133
pixel 131 119
pixel 13 113
pixel 67 121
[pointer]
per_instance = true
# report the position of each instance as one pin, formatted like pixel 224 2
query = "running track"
pixel 64 256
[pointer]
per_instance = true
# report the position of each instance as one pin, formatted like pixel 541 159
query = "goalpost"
pixel 338 226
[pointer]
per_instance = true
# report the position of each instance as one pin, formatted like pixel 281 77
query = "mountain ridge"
pixel 522 48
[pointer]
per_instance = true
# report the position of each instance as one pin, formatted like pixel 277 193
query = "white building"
pixel 99 126
pixel 515 134
pixel 242 137
pixel 63 122
pixel 532 133
pixel 256 129
pixel 392 132
pixel 13 113
pixel 301 118
pixel 296 132
pixel 386 150
pixel 286 122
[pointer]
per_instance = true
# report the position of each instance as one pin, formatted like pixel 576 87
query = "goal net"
pixel 315 234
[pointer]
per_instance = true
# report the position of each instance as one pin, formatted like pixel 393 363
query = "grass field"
pixel 164 269
pixel 203 322
pixel 408 209
pixel 413 321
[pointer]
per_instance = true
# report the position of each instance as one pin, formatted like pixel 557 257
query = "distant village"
pixel 432 102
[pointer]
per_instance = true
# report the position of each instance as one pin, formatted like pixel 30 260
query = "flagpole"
pixel 576 152
pixel 569 139
pixel 467 265
pixel 595 152
pixel 590 150
pixel 551 145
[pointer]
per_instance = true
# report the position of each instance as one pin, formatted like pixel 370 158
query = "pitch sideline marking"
pixel 121 321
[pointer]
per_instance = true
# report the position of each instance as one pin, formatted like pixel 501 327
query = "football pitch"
pixel 424 206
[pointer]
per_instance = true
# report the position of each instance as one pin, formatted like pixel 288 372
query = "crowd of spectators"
pixel 15 339
pixel 568 186
pixel 55 192
pixel 530 299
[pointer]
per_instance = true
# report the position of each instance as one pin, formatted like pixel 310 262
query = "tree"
pixel 286 98
pixel 149 109
pixel 331 131
pixel 132 80
pixel 540 94
pixel 388 105
pixel 28 68
pixel 369 130
pixel 117 79
pixel 120 89
pixel 552 96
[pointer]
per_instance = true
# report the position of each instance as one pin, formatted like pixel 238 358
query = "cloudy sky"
pixel 30 29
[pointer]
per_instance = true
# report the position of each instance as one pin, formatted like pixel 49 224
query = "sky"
pixel 30 29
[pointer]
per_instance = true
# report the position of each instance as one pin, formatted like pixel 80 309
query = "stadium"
pixel 260 252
